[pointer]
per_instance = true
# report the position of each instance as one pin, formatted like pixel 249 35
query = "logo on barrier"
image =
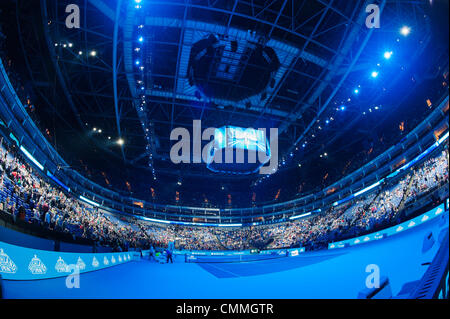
pixel 7 266
pixel 120 259
pixel 95 262
pixel 36 266
pixel 113 260
pixel 81 264
pixel 61 266
pixel 105 261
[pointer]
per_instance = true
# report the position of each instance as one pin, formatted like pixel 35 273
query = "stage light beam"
pixel 387 55
pixel 405 31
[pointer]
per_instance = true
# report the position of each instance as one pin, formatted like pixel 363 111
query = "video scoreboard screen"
pixel 238 140
pixel 247 139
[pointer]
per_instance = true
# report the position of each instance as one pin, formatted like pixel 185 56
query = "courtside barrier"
pixel 437 211
pixel 20 263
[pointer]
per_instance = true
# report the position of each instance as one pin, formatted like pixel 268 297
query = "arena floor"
pixel 337 273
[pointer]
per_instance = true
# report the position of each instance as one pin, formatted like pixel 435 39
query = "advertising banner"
pixel 19 263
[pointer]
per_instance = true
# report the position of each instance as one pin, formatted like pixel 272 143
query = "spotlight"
pixel 405 30
pixel 99 131
pixel 387 55
pixel 137 1
pixel 356 91
pixel 374 74
pixel 137 62
pixel 120 141
pixel 95 129
pixel 141 39
pixel 93 53
pixel 342 107
pixel 80 52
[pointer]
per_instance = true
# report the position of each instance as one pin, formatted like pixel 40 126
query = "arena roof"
pixel 128 74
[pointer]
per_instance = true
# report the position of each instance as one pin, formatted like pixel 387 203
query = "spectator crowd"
pixel 27 197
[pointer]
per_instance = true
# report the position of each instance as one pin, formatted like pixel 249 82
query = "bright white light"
pixel 356 91
pixel 405 30
pixel 25 151
pixel 89 201
pixel 387 55
pixel 374 74
pixel 93 53
pixel 120 141
pixel 141 39
pixel 80 52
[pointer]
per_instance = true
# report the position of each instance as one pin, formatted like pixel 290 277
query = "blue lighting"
pixel 137 62
pixel 374 74
pixel 387 55
pixel 342 107
pixel 58 181
pixel 137 1
pixel 356 91
pixel 141 39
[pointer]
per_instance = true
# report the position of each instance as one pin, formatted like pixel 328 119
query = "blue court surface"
pixel 339 273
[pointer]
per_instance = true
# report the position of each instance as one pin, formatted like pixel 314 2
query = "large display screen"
pixel 249 147
pixel 247 139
